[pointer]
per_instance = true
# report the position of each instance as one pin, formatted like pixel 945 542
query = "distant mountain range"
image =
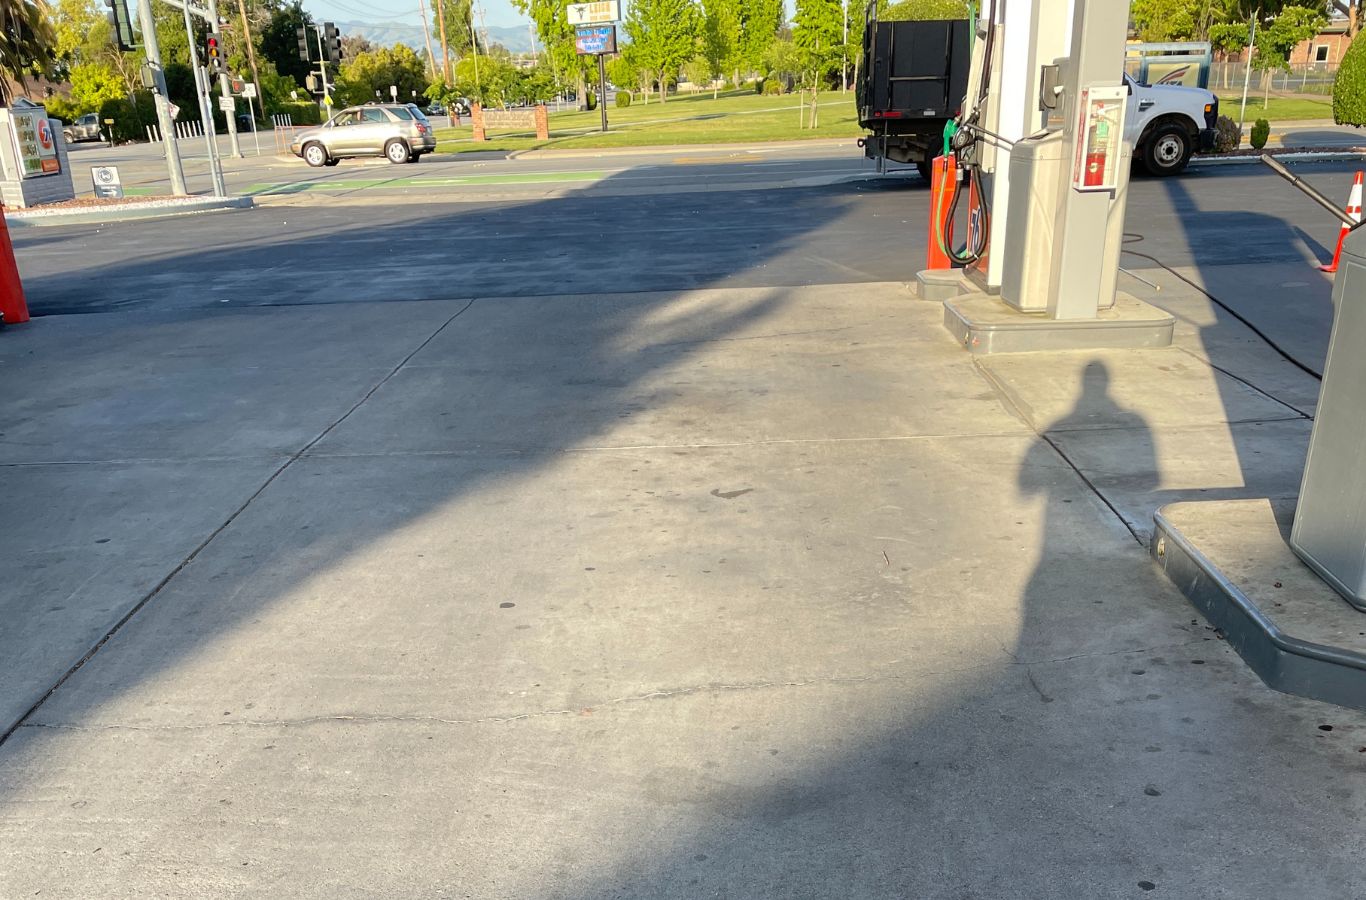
pixel 517 38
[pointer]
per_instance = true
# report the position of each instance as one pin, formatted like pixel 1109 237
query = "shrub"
pixel 131 117
pixel 1349 86
pixel 1261 130
pixel 623 99
pixel 590 100
pixel 772 86
pixel 1228 136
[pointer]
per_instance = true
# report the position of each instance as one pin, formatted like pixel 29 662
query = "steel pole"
pixel 225 85
pixel 602 90
pixel 201 90
pixel 161 98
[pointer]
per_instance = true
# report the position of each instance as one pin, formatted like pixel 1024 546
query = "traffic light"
pixel 302 34
pixel 120 25
pixel 214 60
pixel 332 43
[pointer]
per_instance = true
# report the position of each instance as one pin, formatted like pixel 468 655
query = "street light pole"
pixel 161 99
pixel 1247 69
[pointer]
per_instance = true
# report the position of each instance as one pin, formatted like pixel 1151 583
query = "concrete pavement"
pixel 720 588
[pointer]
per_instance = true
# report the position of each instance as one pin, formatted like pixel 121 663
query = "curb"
pixel 128 212
pixel 1291 155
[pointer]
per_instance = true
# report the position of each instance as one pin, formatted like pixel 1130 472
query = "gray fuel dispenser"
pixel 1329 533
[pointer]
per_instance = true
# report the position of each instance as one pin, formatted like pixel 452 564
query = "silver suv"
pixel 390 130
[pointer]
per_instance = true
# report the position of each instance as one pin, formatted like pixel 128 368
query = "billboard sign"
pixel 599 12
pixel 595 40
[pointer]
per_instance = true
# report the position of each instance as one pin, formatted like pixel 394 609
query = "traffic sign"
pixel 595 13
pixel 249 90
pixel 106 181
pixel 227 104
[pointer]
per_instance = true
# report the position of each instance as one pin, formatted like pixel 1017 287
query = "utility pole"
pixel 202 91
pixel 225 85
pixel 1247 69
pixel 445 51
pixel 161 98
pixel 427 33
pixel 251 56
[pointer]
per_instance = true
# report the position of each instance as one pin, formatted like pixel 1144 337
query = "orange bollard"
pixel 943 181
pixel 1353 210
pixel 12 306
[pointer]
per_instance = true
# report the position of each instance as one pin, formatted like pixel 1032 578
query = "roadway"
pixel 661 221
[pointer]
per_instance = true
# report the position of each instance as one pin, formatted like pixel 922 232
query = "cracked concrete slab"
pixel 711 367
pixel 178 386
pixel 865 790
pixel 387 584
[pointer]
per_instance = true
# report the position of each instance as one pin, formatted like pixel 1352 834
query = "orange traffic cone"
pixel 13 309
pixel 1353 210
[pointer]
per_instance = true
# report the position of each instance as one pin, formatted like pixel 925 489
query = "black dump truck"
pixel 911 80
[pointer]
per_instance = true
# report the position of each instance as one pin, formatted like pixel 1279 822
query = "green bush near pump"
pixel 1228 136
pixel 1261 130
pixel 1349 86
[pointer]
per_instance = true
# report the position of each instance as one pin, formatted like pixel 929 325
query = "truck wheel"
pixel 923 167
pixel 1167 150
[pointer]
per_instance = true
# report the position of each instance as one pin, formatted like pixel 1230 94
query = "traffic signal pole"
pixel 322 67
pixel 161 99
pixel 202 92
pixel 225 85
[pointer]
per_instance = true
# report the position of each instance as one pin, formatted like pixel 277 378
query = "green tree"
pixel 760 22
pixel 665 35
pixel 1229 39
pixel 377 70
pixel 28 43
pixel 1349 85
pixel 557 38
pixel 621 70
pixel 720 37
pixel 1276 41
pixel 279 42
pixel 818 31
pixel 94 84
pixel 921 11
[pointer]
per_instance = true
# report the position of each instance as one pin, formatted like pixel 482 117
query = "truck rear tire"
pixel 1167 150
pixel 923 167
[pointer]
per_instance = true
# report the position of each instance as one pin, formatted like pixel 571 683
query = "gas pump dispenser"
pixel 1041 137
pixel 1329 533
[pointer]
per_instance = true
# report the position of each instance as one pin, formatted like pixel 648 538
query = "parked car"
pixel 380 129
pixel 84 128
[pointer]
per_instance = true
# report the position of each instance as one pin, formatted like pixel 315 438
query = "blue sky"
pixel 497 12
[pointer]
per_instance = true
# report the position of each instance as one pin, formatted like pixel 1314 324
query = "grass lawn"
pixel 736 117
pixel 1280 109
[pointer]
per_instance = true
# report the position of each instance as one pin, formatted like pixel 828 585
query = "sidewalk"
pixel 751 592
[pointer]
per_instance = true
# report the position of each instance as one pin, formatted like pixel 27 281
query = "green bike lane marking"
pixel 361 184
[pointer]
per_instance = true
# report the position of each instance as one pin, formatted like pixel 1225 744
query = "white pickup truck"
pixel 1167 123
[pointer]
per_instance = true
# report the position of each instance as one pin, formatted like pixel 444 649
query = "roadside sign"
pixel 173 110
pixel 33 139
pixel 106 181
pixel 596 13
pixel 249 90
pixel 227 104
pixel 595 40
pixel 393 91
